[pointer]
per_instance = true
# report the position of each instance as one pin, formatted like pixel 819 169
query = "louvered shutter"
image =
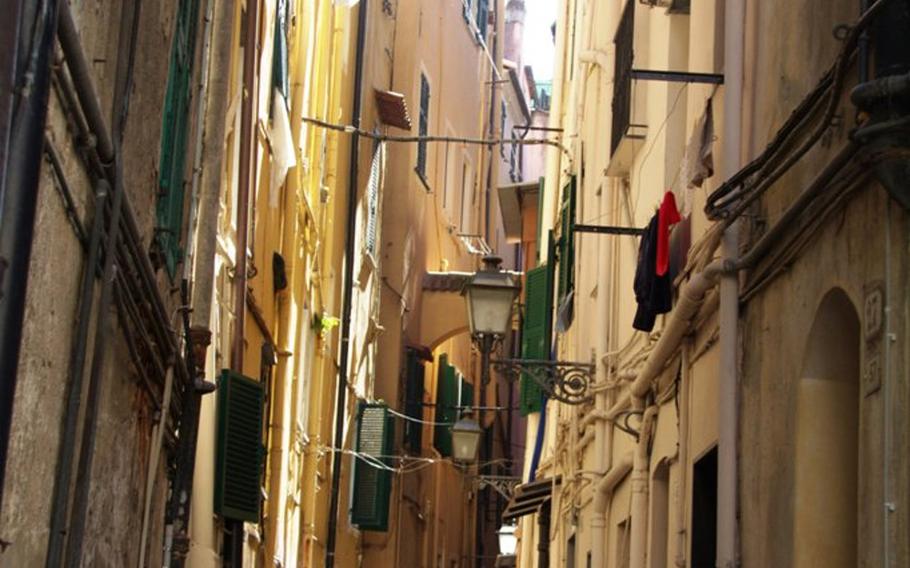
pixel 280 51
pixel 372 485
pixel 535 335
pixel 174 129
pixel 239 450
pixel 567 242
pixel 414 385
pixel 372 198
pixel 424 125
pixel 466 398
pixel 447 399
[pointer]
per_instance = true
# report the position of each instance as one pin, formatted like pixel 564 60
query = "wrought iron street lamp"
pixel 465 440
pixel 491 294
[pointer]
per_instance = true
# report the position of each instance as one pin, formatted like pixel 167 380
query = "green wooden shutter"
pixel 467 395
pixel 174 131
pixel 372 485
pixel 535 335
pixel 414 388
pixel 239 450
pixel 280 51
pixel 424 125
pixel 447 400
pixel 567 241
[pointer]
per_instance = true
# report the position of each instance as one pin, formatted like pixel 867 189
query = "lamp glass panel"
pixel 490 309
pixel 508 542
pixel 465 443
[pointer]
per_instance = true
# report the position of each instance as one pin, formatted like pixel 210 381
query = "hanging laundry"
pixel 653 293
pixel 667 215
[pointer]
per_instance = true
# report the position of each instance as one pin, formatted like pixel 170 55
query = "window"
pixel 704 511
pixel 374 184
pixel 238 462
pixel 566 245
pixel 423 127
pixel 372 485
pixel 502 129
pixel 660 514
pixel 467 196
pixel 174 131
pixel 535 334
pixel 624 543
pixel 280 53
pixel 622 84
pixel 452 392
pixel 482 17
pixel 414 388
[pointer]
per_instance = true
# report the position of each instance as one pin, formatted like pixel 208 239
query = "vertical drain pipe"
pixel 641 468
pixel 347 286
pixel 728 419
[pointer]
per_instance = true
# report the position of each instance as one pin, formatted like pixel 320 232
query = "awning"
pixel 528 497
pixel 510 207
pixel 392 109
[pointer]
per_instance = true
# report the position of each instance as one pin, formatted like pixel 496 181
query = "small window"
pixel 502 130
pixel 414 389
pixel 423 127
pixel 704 511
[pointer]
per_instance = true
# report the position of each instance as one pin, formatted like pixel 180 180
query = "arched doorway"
pixel 827 432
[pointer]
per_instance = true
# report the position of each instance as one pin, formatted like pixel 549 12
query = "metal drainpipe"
pixel 233 544
pixel 728 417
pixel 88 101
pixel 347 284
pixel 19 190
pixel 120 105
pixel 87 449
pixel 640 477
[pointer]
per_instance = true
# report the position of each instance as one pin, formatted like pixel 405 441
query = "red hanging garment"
pixel 666 216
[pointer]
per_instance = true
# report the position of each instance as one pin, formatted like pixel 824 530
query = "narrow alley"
pixel 455 283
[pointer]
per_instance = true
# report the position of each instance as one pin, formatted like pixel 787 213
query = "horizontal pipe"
pixel 690 299
pixel 82 79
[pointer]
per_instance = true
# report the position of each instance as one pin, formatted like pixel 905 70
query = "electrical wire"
pixel 417 420
pixel 641 165
pixel 746 197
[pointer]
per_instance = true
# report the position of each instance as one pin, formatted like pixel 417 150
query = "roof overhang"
pixel 510 203
pixel 392 109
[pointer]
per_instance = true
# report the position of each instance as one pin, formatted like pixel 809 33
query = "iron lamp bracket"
pixel 565 381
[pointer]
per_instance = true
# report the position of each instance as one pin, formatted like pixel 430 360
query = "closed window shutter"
pixel 280 52
pixel 239 451
pixel 424 125
pixel 447 399
pixel 535 335
pixel 414 388
pixel 467 395
pixel 482 11
pixel 174 130
pixel 567 242
pixel 372 485
pixel 373 186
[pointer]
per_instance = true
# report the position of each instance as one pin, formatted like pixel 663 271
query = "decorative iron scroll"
pixel 503 484
pixel 564 381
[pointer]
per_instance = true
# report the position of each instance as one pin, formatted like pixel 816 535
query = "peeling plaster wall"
pixel 117 489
